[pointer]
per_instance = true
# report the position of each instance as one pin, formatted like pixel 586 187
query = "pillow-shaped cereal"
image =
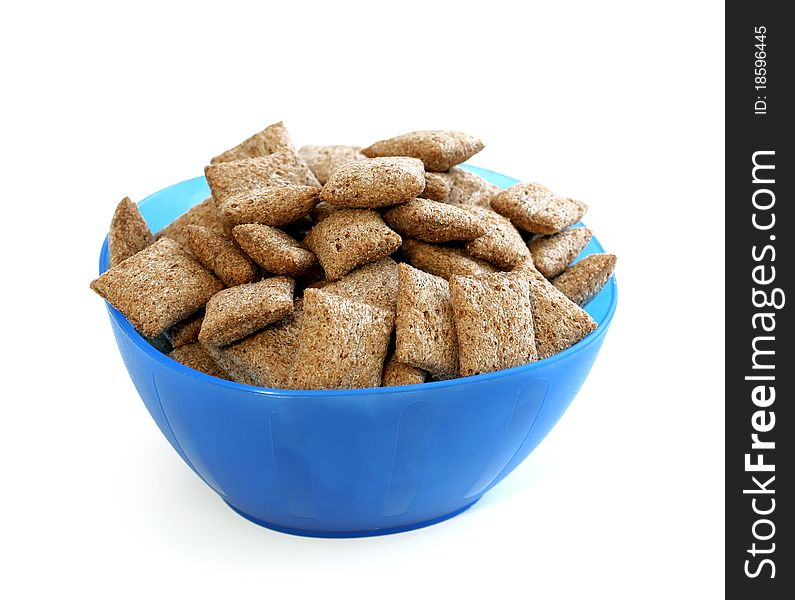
pixel 536 209
pixel 350 238
pixel 501 245
pixel 204 214
pixel 324 160
pixel 375 182
pixel 128 233
pixel 397 373
pixel 375 283
pixel 274 250
pixel 437 186
pixel 438 150
pixel 274 205
pixel 432 221
pixel 583 280
pixel 468 189
pixel 221 256
pixel 194 356
pixel 444 261
pixel 552 254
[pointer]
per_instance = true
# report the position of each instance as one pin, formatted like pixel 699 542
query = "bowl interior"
pixel 162 207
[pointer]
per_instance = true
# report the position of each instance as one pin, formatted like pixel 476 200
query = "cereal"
pixel 424 329
pixel 157 287
pixel 128 234
pixel 432 221
pixel 220 256
pixel 276 205
pixel 236 312
pixel 375 283
pixel 501 244
pixel 274 250
pixel 350 238
pixel 536 209
pixel 552 254
pixel 322 210
pixel 444 261
pixel 582 281
pixel 186 331
pixel 271 140
pixel 438 150
pixel 493 321
pixel 227 179
pixel 468 189
pixel 324 160
pixel 342 343
pixel 375 182
pixel 398 373
pixel 204 214
pixel 558 322
pixel 264 358
pixel 437 186
pixel 195 357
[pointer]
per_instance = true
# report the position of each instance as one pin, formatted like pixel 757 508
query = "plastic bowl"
pixel 346 463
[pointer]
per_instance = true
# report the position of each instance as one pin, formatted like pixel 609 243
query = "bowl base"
pixel 350 534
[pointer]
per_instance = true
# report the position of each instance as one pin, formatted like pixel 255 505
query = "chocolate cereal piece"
pixel 557 321
pixel 264 358
pixel 444 261
pixel 552 254
pixel 157 287
pixel 432 221
pixel 468 189
pixel 322 210
pixel 275 205
pixel 501 245
pixel 274 250
pixel 128 234
pixel 236 312
pixel 204 214
pixel 350 238
pixel 227 179
pixel 437 186
pixel 220 256
pixel 186 331
pixel 438 150
pixel 398 373
pixel 324 160
pixel 342 343
pixel 375 283
pixel 424 328
pixel 536 209
pixel 375 182
pixel 271 139
pixel 195 357
pixel 493 321
pixel 583 280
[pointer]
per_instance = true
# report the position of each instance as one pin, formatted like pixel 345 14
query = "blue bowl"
pixel 347 463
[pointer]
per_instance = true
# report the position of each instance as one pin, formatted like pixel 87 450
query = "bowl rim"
pixel 142 344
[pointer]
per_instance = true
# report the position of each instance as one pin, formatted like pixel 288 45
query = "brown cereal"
pixel 397 373
pixel 350 238
pixel 432 221
pixel 324 160
pixel 264 358
pixel 437 186
pixel 444 261
pixel 186 331
pixel 493 321
pixel 204 214
pixel 424 328
pixel 536 209
pixel 375 283
pixel 271 139
pixel 195 357
pixel 322 210
pixel 582 281
pixel 157 287
pixel 501 245
pixel 128 234
pixel 342 343
pixel 275 205
pixel 438 150
pixel 236 312
pixel 468 189
pixel 552 254
pixel 274 250
pixel 221 256
pixel 375 182
pixel 228 179
pixel 558 322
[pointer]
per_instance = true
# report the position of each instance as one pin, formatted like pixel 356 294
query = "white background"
pixel 619 104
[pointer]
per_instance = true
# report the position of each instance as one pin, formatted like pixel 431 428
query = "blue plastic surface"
pixel 347 463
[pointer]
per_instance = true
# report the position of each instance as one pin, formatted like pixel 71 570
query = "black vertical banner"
pixel 760 557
